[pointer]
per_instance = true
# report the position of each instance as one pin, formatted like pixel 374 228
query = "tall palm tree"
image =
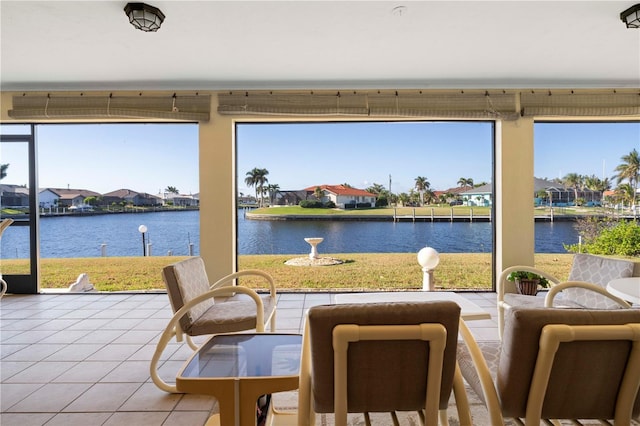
pixel 3 170
pixel 257 178
pixel 422 184
pixel 629 170
pixel 573 180
pixel 376 188
pixel 172 190
pixel 465 182
pixel 319 193
pixel 624 192
pixel 273 190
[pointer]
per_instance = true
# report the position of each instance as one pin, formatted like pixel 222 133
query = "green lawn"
pixel 361 271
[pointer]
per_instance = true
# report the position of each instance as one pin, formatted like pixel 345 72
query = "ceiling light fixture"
pixel 631 16
pixel 144 17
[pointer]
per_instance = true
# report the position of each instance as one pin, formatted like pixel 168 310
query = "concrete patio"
pixel 83 359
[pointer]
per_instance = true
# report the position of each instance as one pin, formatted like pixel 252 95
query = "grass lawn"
pixel 361 271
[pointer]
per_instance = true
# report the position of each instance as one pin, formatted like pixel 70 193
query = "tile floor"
pixel 83 359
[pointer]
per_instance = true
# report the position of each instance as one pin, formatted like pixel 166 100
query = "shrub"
pixel 382 202
pixel 311 204
pixel 330 205
pixel 623 239
pixel 363 205
pixel 350 206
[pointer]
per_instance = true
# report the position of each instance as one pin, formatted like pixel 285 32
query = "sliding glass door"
pixel 19 202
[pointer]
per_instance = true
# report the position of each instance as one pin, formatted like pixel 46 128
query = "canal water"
pixel 178 233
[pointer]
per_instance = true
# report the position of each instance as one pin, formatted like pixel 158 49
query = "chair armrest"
pixel 482 370
pixel 548 301
pixel 505 286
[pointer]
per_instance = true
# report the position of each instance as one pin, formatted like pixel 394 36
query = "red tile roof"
pixel 342 190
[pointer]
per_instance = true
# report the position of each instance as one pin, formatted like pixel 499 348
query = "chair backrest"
pixel 382 375
pixel 185 280
pixel 586 376
pixel 597 270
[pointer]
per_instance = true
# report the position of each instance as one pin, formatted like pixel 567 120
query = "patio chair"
pixel 203 309
pixel 593 273
pixel 378 358
pixel 570 364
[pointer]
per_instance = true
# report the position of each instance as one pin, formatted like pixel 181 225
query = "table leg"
pixel 227 396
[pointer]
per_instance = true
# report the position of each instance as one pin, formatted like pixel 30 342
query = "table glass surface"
pixel 246 355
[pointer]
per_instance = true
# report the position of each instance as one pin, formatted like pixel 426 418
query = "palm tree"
pixel 3 170
pixel 403 198
pixel 172 190
pixel 573 180
pixel 376 188
pixel 629 170
pixel 273 190
pixel 257 178
pixel 625 193
pixel 422 184
pixel 465 182
pixel 318 193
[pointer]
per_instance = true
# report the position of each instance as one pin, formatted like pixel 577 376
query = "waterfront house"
pixel 129 196
pixel 48 198
pixel 344 197
pixel 556 194
pixel 73 197
pixel 14 196
pixel 181 200
pixel 290 198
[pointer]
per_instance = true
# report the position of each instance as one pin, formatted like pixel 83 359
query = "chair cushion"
pixel 382 376
pixel 584 380
pixel 597 270
pixel 234 314
pixel 491 353
pixel 513 299
pixel 185 281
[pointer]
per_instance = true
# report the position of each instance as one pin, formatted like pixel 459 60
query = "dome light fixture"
pixel 631 16
pixel 144 17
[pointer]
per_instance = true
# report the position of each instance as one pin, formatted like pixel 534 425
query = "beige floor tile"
pixel 9 368
pixel 128 371
pixel 10 393
pixel 149 398
pixel 87 372
pixel 100 336
pixel 36 352
pixel 65 336
pixel 114 352
pixel 75 352
pixel 25 419
pixel 192 402
pixel 138 419
pixel 79 419
pixel 181 418
pixel 50 398
pixel 41 372
pixel 140 337
pixel 102 397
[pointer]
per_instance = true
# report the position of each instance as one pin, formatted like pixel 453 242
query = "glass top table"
pixel 239 368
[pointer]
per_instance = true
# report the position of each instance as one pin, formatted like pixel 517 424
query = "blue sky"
pixel 150 157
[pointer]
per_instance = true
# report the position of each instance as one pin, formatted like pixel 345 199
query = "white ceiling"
pixel 211 45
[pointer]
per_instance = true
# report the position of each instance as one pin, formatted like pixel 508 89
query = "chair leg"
pixel 462 402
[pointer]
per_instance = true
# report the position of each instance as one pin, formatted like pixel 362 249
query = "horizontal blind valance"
pixel 177 107
pixel 580 104
pixel 459 105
